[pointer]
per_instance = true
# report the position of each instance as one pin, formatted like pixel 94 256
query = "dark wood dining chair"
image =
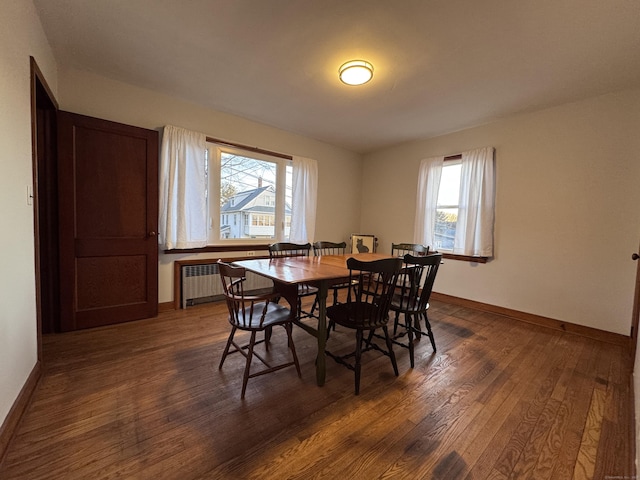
pixel 285 249
pixel 331 248
pixel 411 300
pixel 415 249
pixel 367 309
pixel 253 313
pixel 400 250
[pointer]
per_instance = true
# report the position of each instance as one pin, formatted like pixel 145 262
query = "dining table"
pixel 320 271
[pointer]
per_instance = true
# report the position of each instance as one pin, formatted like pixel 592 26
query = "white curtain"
pixel 474 230
pixel 427 200
pixel 304 199
pixel 183 203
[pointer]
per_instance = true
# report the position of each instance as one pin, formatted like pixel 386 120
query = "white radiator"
pixel 201 283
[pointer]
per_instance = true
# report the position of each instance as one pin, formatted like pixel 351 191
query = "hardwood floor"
pixel 500 399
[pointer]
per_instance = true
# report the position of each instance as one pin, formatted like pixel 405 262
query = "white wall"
pixel 567 210
pixel 21 36
pixel 338 194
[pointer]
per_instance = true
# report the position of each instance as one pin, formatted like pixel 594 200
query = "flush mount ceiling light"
pixel 356 72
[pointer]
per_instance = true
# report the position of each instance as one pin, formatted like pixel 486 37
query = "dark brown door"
pixel 108 214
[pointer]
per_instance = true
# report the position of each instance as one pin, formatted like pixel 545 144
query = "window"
pixel 447 206
pixel 203 181
pixel 455 203
pixel 255 186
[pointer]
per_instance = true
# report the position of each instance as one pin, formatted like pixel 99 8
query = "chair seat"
pixel 361 316
pixel 276 315
pixel 407 305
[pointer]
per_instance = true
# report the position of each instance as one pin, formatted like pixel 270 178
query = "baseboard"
pixel 573 328
pixel 166 307
pixel 10 424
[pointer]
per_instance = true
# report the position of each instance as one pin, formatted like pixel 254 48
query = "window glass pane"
pixel 447 211
pixel 446 219
pixel 449 185
pixel 248 190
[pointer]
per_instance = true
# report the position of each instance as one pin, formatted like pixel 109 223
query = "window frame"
pixel 215 150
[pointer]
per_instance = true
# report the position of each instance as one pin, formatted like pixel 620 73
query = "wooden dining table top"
pixel 301 269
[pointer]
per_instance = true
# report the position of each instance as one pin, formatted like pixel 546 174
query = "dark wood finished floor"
pixel 500 399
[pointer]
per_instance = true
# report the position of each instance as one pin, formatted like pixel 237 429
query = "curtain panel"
pixel 476 207
pixel 304 200
pixel 183 203
pixel 427 200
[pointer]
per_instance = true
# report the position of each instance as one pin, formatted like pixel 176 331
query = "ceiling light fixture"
pixel 356 72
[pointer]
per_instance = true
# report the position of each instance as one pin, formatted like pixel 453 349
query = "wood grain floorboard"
pixel 500 399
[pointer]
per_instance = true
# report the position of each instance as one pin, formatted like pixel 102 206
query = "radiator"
pixel 201 284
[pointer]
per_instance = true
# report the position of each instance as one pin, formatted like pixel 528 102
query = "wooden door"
pixel 108 217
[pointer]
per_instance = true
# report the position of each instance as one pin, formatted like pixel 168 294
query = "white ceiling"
pixel 440 65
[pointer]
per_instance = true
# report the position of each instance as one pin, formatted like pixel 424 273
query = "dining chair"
pixel 411 300
pixel 253 313
pixel 401 249
pixel 367 309
pixel 331 248
pixel 285 249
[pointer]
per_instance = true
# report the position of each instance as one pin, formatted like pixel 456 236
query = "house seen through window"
pixel 252 188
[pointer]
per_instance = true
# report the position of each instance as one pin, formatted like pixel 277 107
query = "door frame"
pixel 38 83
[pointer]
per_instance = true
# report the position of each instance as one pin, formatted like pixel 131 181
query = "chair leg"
pixel 390 347
pixel 417 328
pixel 357 359
pixel 314 306
pixel 226 349
pixel 289 327
pixel 395 324
pixel 370 337
pixel 429 331
pixel 247 366
pixel 408 320
pixel 267 337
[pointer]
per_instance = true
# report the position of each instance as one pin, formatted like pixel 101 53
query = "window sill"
pixel 220 248
pixel 464 258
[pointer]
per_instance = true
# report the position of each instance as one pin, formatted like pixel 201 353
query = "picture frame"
pixel 363 243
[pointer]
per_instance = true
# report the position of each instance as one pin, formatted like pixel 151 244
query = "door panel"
pixel 108 200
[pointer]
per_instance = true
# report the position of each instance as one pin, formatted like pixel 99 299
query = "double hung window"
pixel 455 203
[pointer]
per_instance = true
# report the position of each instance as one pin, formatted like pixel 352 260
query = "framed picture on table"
pixel 361 243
